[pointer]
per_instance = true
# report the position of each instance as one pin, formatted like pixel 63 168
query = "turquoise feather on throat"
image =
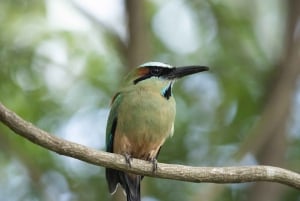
pixel 166 92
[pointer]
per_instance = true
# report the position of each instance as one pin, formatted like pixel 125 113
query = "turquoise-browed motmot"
pixel 141 118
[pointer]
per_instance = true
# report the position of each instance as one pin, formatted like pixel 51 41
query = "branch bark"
pixel 239 174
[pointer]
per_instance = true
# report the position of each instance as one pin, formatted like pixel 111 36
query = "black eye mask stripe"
pixel 154 72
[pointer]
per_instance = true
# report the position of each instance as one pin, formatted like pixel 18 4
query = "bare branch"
pixel 176 172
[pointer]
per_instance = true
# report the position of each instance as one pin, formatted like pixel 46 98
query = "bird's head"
pixel 157 75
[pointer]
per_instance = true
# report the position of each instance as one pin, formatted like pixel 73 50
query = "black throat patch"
pixel 167 92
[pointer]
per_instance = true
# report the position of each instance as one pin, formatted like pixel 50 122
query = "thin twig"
pixel 238 174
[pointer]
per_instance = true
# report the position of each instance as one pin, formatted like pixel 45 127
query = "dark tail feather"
pixel 129 182
pixel 112 179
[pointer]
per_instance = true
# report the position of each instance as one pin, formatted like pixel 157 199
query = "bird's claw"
pixel 128 159
pixel 154 164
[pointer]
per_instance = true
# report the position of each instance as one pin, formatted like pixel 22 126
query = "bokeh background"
pixel 62 61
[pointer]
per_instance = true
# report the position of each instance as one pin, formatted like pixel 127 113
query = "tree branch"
pixel 239 174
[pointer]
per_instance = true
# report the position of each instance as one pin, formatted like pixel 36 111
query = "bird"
pixel 141 118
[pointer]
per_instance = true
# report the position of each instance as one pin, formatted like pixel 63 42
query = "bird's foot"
pixel 128 159
pixel 154 164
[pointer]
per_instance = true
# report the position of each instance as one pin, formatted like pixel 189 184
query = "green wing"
pixel 112 122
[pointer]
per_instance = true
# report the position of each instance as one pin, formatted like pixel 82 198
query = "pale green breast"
pixel 145 115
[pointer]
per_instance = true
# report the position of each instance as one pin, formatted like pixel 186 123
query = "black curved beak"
pixel 179 72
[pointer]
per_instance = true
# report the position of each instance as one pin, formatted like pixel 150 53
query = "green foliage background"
pixel 62 80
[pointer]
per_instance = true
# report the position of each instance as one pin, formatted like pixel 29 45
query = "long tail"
pixel 129 182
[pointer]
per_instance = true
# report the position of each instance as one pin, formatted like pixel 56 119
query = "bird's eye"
pixel 156 71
